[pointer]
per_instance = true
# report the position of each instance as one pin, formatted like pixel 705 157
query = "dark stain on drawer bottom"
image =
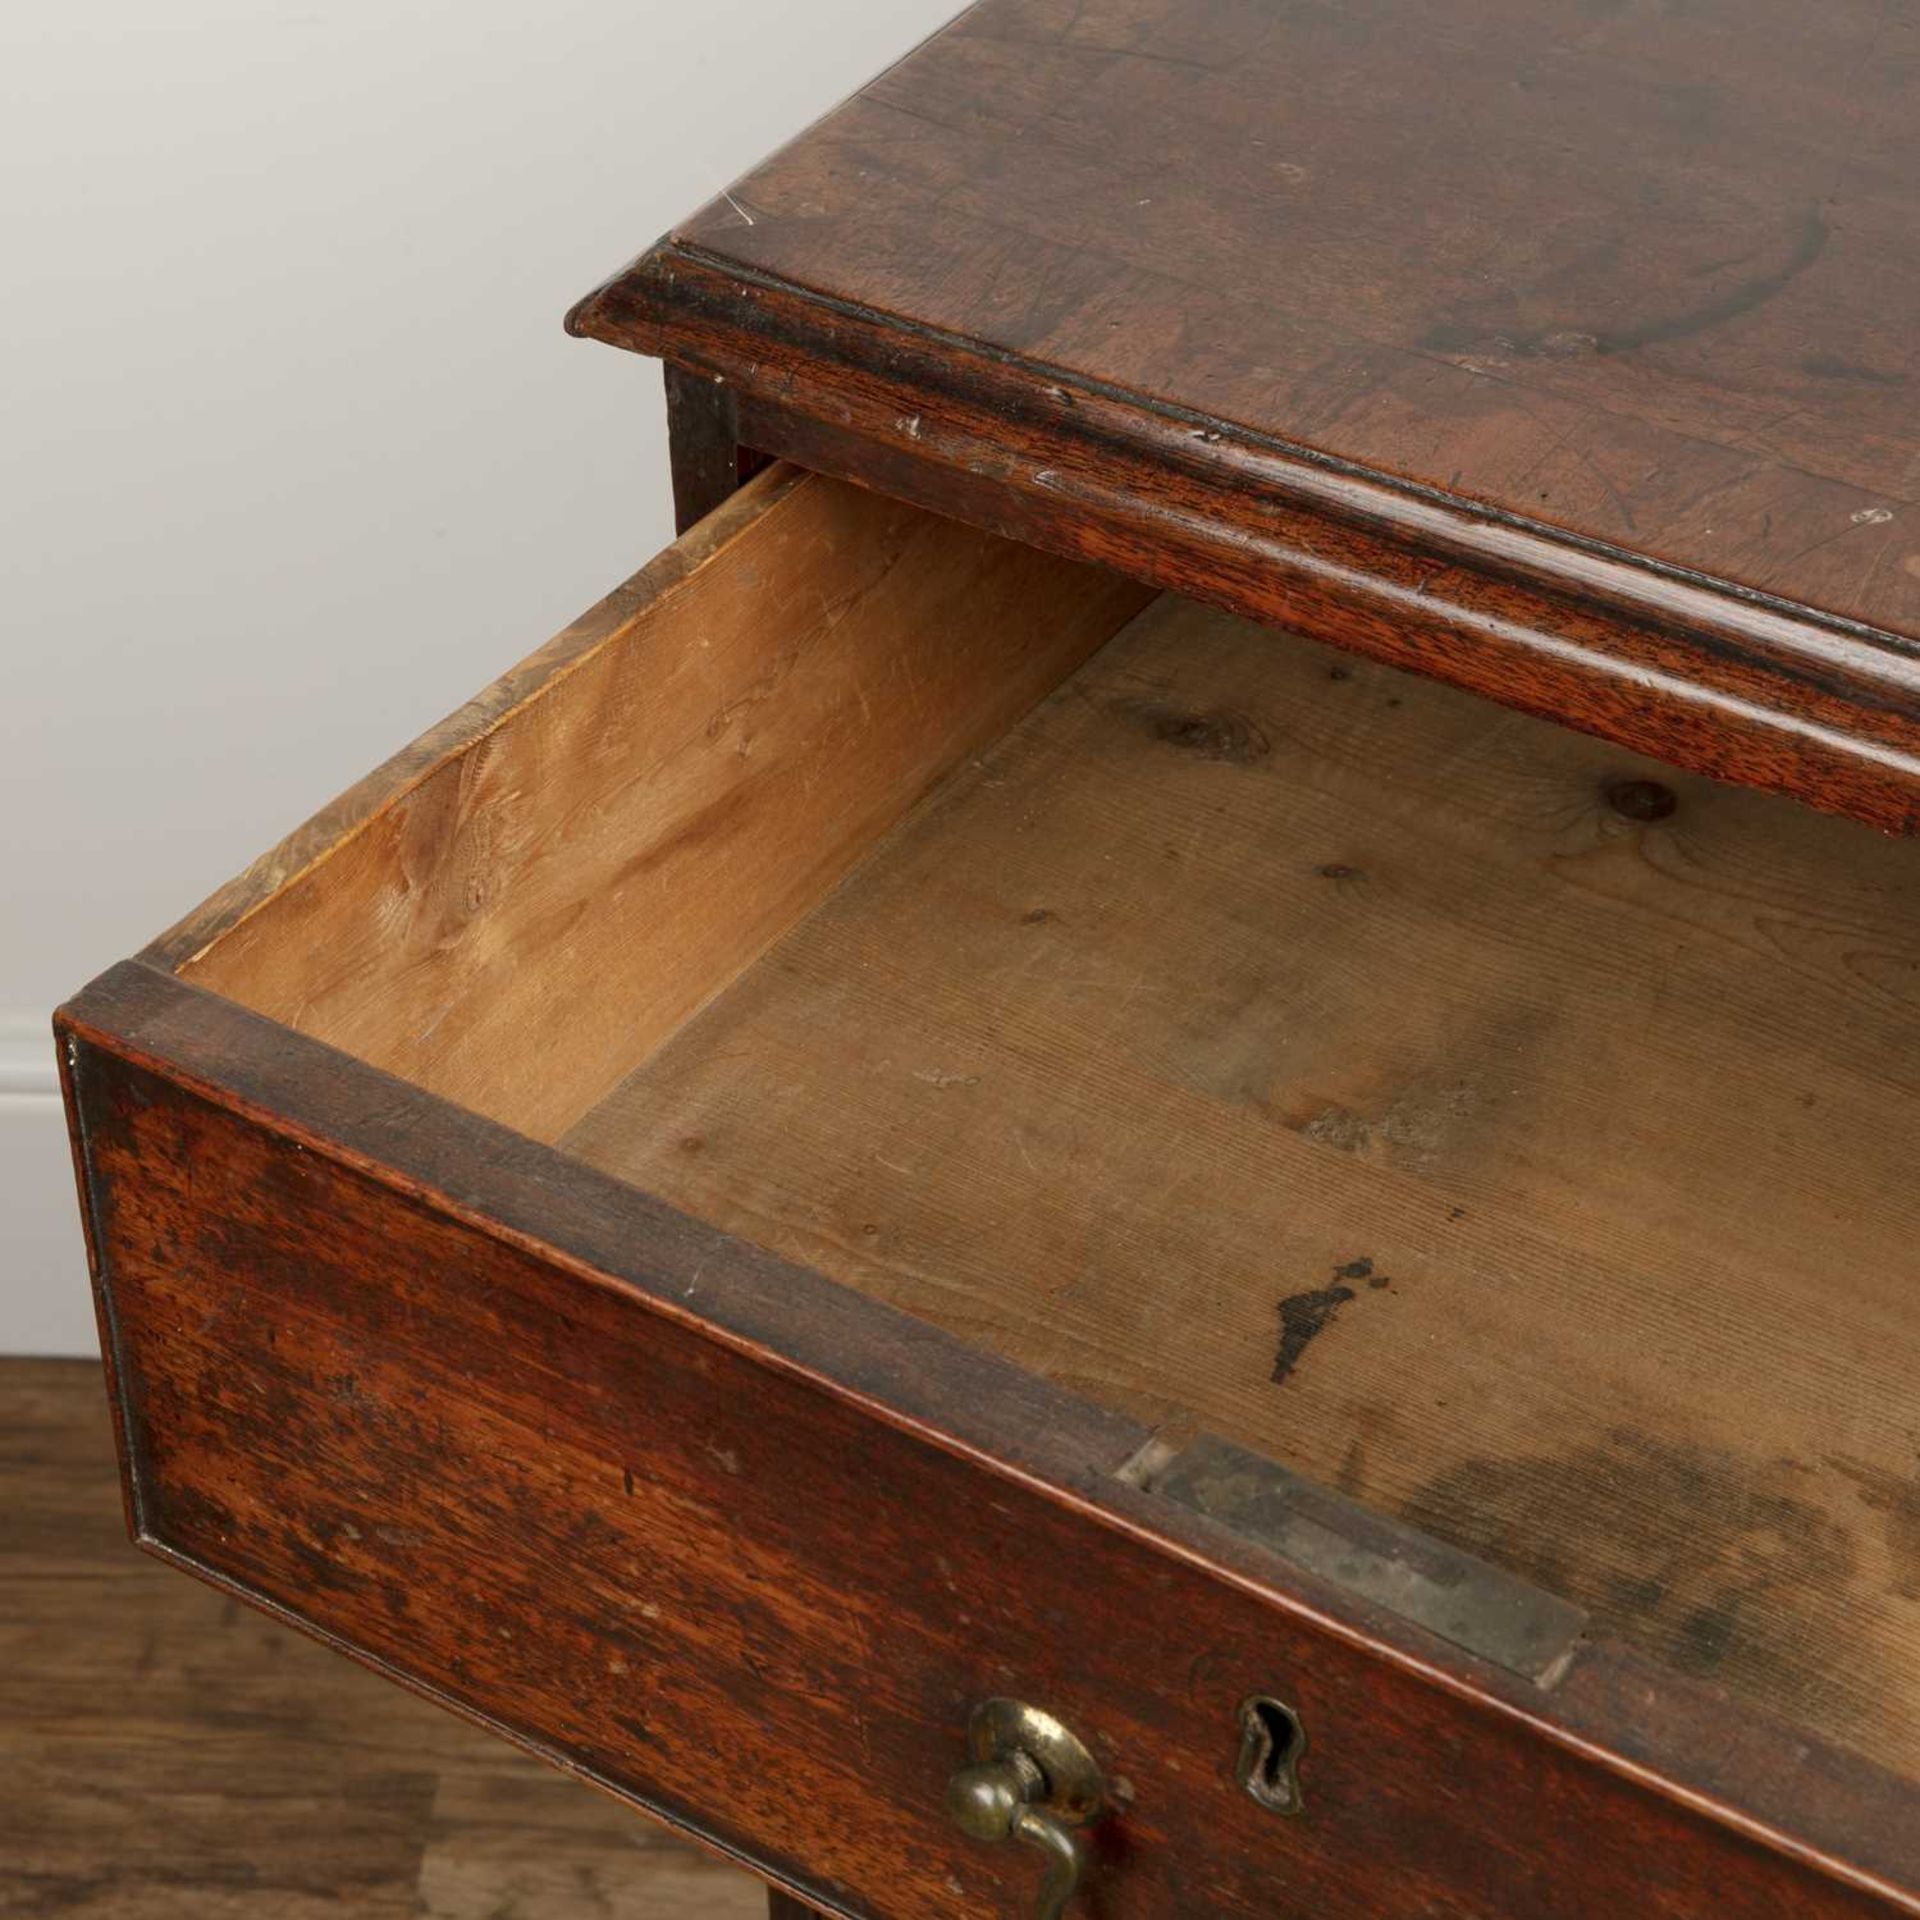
pixel 1305 1316
pixel 1730 1568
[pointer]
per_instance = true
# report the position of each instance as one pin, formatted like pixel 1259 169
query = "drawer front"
pixel 574 1464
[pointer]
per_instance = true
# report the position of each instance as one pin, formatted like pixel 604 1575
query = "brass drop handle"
pixel 995 1801
pixel 1030 1780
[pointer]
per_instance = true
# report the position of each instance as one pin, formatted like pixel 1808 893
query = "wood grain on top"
pixel 1627 288
pixel 1649 272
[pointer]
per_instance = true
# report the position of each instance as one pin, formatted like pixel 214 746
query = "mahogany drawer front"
pixel 529 1480
pixel 409 1346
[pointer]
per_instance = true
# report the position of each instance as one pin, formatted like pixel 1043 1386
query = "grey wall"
pixel 295 454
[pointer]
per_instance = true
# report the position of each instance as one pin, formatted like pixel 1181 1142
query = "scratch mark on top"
pixel 738 208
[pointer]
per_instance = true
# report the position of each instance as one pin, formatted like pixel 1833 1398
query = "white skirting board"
pixel 45 1306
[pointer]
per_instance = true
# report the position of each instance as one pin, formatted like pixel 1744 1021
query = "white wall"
pixel 293 452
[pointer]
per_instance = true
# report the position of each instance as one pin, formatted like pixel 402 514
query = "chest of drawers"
pixel 1166 1107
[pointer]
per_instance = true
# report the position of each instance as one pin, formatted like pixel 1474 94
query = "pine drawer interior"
pixel 1511 1133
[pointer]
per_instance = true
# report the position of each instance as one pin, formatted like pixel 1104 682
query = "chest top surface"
pixel 1644 270
pixel 1624 284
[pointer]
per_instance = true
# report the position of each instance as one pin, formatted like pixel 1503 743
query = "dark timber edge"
pixel 781 1906
pixel 1702 1786
pixel 1708 676
pixel 703 446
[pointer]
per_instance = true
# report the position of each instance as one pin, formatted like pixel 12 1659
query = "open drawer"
pixel 891 1121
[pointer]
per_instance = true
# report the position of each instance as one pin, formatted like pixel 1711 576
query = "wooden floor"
pixel 165 1751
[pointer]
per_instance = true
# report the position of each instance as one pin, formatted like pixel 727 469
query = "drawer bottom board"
pixel 1506 1131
